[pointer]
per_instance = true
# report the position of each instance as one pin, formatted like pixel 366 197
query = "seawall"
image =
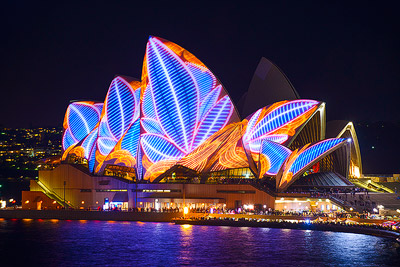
pixel 299 226
pixel 90 215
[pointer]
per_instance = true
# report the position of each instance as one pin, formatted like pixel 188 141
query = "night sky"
pixel 346 55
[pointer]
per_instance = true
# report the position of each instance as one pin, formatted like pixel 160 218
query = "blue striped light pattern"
pixel 251 124
pixel 158 148
pixel 82 117
pixel 175 93
pixel 209 101
pixel 130 140
pixel 152 126
pixel 105 145
pixel 183 104
pixel 121 110
pixel 276 155
pixel 68 140
pixel 120 107
pixel 139 166
pixel 204 79
pixel 103 129
pixel 88 143
pixel 279 117
pixel 277 138
pixel 313 152
pixel 92 159
pixel 148 108
pixel 214 120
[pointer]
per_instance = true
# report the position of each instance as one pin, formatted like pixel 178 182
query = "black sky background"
pixel 345 54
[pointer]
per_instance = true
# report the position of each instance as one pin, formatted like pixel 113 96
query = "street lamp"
pixel 185 211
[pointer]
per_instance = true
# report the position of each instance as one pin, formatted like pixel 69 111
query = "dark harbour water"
pixel 85 243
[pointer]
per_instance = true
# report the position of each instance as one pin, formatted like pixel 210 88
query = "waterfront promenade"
pixel 357 225
pixel 90 215
pixel 320 226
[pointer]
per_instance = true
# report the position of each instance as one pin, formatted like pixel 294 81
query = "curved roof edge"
pixel 268 85
pixel 283 186
pixel 337 128
pixel 321 110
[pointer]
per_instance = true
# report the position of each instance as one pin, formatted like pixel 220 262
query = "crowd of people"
pixel 316 224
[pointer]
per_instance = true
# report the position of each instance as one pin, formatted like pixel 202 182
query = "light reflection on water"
pixel 56 242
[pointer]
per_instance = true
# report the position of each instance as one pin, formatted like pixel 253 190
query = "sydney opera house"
pixel 174 138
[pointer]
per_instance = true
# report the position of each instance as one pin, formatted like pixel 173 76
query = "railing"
pixel 371 186
pixel 51 194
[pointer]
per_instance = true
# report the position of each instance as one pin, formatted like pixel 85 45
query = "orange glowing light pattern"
pixel 183 105
pixel 304 158
pixel 80 119
pixel 277 123
pixel 180 114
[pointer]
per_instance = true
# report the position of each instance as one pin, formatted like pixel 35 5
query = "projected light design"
pixel 183 105
pixel 221 151
pixel 179 117
pixel 80 119
pixel 272 156
pixel 125 151
pixel 277 122
pixel 121 110
pixel 304 158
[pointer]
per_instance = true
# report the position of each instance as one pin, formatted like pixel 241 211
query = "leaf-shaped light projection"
pixel 175 93
pixel 312 153
pixel 88 143
pixel 130 141
pixel 272 155
pixel 68 140
pixel 139 166
pixel 157 148
pixel 204 78
pixel 124 152
pixel 148 108
pixel 92 159
pixel 152 126
pixel 181 97
pixel 103 129
pixel 277 138
pixel 214 120
pixel 279 117
pixel 251 124
pixel 209 101
pixel 137 102
pixel 105 145
pixel 302 159
pixel 80 119
pixel 120 107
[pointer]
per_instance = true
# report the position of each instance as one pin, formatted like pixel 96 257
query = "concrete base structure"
pixel 80 190
pixel 71 187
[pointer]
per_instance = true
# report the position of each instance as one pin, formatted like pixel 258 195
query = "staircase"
pixel 51 194
pixel 371 186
